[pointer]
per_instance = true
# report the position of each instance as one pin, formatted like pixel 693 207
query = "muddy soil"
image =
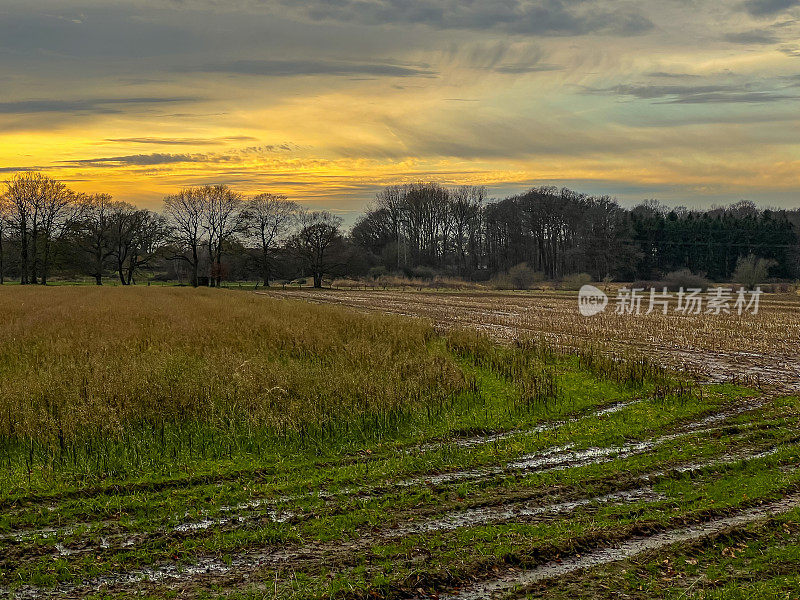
pixel 502 585
pixel 763 350
pixel 211 569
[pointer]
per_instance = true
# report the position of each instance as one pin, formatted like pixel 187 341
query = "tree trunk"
pixel 34 254
pixel 98 278
pixel 121 272
pixel 46 260
pixel 265 272
pixel 194 266
pixel 23 251
pixel 317 280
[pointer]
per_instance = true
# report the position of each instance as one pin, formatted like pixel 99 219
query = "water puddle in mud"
pixel 485 439
pixel 254 560
pixel 621 551
pixel 508 512
pixel 210 566
pixel 551 459
pixel 206 523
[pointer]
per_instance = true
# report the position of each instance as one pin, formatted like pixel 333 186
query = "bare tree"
pixel 96 226
pixel 221 221
pixel 319 244
pixel 60 208
pixel 391 202
pixel 185 213
pixel 122 217
pixel 5 211
pixel 138 236
pixel 149 238
pixel 39 208
pixel 466 203
pixel 268 218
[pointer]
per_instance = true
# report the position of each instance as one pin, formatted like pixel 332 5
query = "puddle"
pixel 249 561
pixel 275 516
pixel 484 439
pixel 621 551
pixel 551 459
pixel 520 510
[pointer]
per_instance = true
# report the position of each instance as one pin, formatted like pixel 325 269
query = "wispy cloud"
pixel 753 36
pixel 792 50
pixel 759 8
pixel 162 158
pixel 694 94
pixel 86 105
pixel 522 69
pixel 537 17
pixel 291 68
pixel 183 141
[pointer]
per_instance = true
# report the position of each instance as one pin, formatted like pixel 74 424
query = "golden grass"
pixel 78 361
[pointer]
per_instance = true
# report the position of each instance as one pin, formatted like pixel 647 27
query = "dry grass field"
pixel 181 443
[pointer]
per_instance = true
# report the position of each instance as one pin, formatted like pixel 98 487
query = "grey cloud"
pixel 522 69
pixel 730 97
pixel 107 32
pixel 754 36
pixel 791 50
pixel 528 17
pixel 693 94
pixel 289 68
pixel 137 160
pixel 183 141
pixel 87 105
pixel 665 75
pixel 159 158
pixel 20 169
pixel 759 8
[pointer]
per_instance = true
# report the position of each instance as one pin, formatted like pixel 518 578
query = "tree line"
pixel 211 233
pixel 558 232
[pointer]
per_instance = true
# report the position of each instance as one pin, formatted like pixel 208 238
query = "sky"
pixel 327 101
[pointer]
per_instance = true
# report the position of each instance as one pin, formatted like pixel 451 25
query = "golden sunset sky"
pixel 326 101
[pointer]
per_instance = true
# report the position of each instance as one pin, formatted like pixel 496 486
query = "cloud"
pixel 754 36
pixel 693 94
pixel 88 105
pixel 137 160
pixel 791 50
pixel 666 75
pixel 183 141
pixel 290 68
pixel 160 158
pixel 525 17
pixel 759 8
pixel 522 69
pixel 20 169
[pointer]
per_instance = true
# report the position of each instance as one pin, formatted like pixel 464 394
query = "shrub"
pixel 377 272
pixel 423 272
pixel 575 281
pixel 522 277
pixel 685 279
pixel 752 270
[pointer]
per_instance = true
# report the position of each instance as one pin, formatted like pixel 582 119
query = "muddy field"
pixel 763 349
pixel 608 490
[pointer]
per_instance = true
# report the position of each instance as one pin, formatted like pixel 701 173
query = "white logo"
pixel 591 300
